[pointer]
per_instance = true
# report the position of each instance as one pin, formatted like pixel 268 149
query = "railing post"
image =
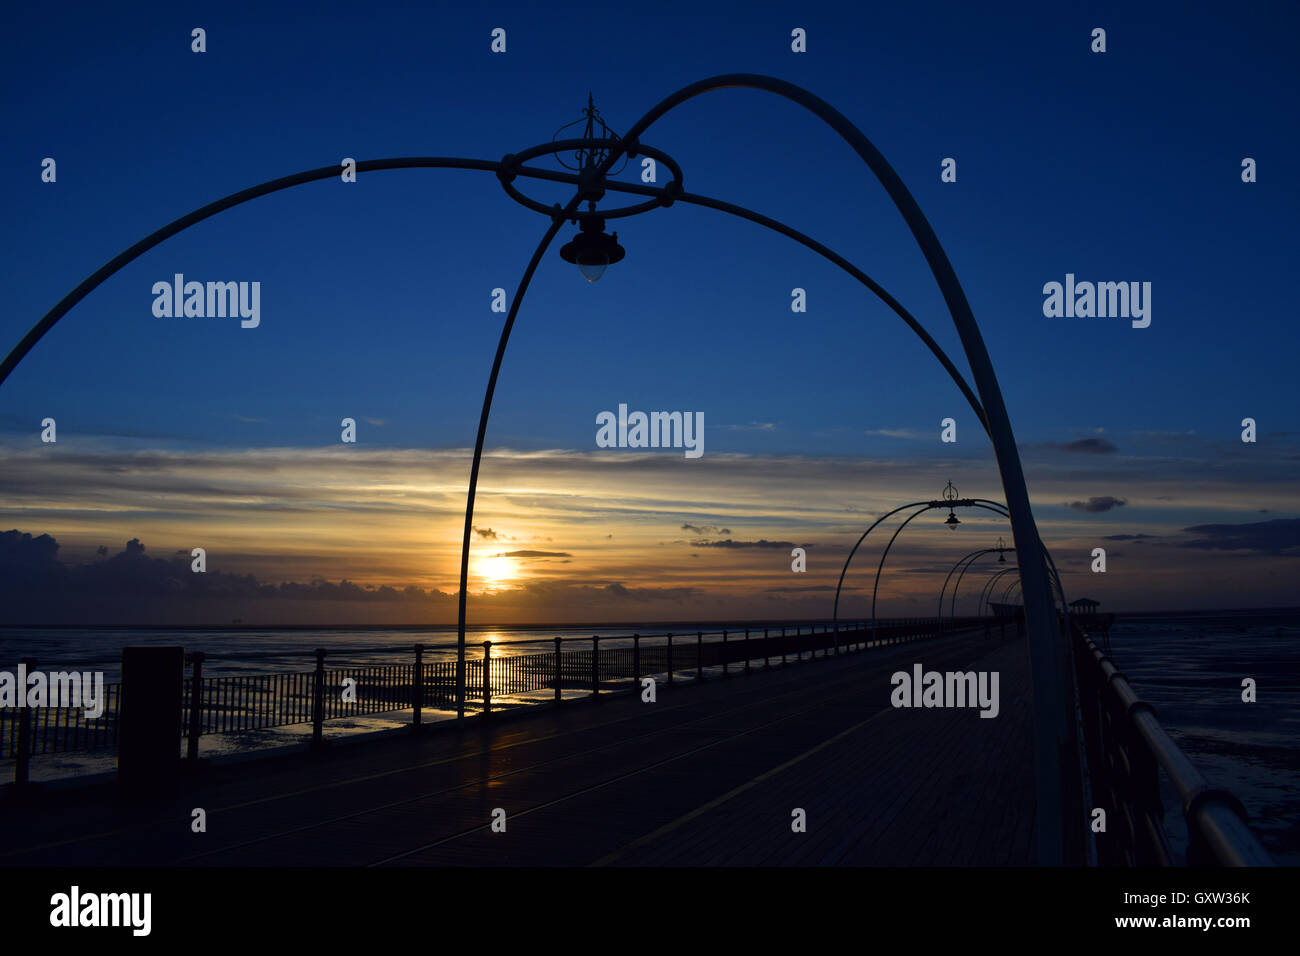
pixel 461 666
pixel 196 707
pixel 636 662
pixel 487 678
pixel 670 657
pixel 747 655
pixel 724 653
pixel 699 655
pixel 23 758
pixel 595 664
pixel 318 702
pixel 417 688
pixel 557 670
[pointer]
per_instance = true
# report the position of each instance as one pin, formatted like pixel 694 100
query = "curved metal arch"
pixel 1060 591
pixel 120 261
pixel 979 604
pixel 878 290
pixel 1047 658
pixel 952 608
pixel 898 530
pixel 510 168
pixel 96 278
pixel 790 232
pixel 1055 755
pixel 518 298
pixel 969 562
pixel 988 585
pixel 835 612
pixel 892 538
pixel 1051 703
pixel 965 557
pixel 995 506
pixel 1054 576
pixel 1006 592
pixel 952 603
pixel 743 213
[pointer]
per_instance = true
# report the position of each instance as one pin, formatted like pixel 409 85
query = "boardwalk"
pixel 709 774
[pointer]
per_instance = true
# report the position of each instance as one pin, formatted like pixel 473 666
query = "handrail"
pixel 1126 745
pixel 288 696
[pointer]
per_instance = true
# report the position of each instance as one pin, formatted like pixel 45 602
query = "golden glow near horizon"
pixel 561 535
pixel 495 570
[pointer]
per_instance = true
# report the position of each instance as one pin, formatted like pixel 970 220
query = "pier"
pixel 738 760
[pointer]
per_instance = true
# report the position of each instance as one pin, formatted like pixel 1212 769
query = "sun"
pixel 496 570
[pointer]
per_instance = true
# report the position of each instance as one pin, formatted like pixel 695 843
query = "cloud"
pixel 395 517
pixel 30 573
pixel 1279 536
pixel 1128 537
pixel 1097 504
pixel 1089 446
pixel 910 434
pixel 705 530
pixel 649 594
pixel 533 554
pixel 486 533
pixel 752 427
pixel 19 549
pixel 761 543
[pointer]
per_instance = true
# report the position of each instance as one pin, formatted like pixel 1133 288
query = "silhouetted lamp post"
pixel 950 496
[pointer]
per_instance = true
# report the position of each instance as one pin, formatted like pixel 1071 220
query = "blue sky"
pixel 1123 166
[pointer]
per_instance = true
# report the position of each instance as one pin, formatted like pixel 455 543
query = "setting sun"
pixel 496 570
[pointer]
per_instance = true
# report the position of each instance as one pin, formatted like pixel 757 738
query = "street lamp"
pixel 592 250
pixel 950 496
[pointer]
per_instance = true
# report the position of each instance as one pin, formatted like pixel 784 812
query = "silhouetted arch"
pixel 897 531
pixel 1052 719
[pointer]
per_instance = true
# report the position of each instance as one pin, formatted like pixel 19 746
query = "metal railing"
pixel 573 666
pixel 1127 749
